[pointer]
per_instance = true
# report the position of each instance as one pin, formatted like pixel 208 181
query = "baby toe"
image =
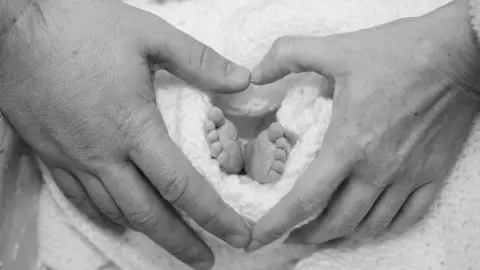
pixel 216 116
pixel 278 166
pixel 223 158
pixel 280 154
pixel 281 143
pixel 273 176
pixel 209 126
pixel 215 149
pixel 275 131
pixel 213 136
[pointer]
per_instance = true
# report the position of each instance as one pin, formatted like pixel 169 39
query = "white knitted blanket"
pixel 243 30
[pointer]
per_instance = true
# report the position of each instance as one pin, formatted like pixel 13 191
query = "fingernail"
pixel 253 246
pixel 201 266
pixel 237 73
pixel 237 241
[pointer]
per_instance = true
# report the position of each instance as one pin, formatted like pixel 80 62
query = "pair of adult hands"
pixel 78 89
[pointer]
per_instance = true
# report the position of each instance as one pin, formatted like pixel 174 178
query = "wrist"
pixel 452 44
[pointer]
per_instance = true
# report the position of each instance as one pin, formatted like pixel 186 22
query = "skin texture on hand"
pixel 402 108
pixel 10 11
pixel 76 84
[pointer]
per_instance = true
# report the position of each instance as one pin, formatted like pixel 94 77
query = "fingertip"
pixel 200 258
pixel 269 228
pixel 267 72
pixel 256 75
pixel 234 78
pixel 232 228
pixel 238 75
pixel 202 265
pixel 254 246
pixel 227 78
pixel 238 240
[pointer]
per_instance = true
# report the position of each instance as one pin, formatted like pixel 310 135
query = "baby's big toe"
pixel 275 131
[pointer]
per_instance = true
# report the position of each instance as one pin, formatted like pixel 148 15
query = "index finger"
pixel 308 197
pixel 192 60
pixel 178 182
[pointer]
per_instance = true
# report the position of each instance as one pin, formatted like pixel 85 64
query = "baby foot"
pixel 223 140
pixel 267 154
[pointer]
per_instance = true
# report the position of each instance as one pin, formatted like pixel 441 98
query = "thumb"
pixel 323 55
pixel 193 61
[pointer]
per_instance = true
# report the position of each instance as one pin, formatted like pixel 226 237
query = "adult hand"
pixel 77 86
pixel 401 111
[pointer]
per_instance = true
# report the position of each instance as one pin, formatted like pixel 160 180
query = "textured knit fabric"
pixel 475 13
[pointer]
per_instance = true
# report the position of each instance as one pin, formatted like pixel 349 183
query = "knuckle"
pixel 183 251
pixel 200 57
pixel 144 220
pixel 115 216
pixel 210 221
pixel 175 190
pixel 143 119
pixel 309 204
pixel 306 204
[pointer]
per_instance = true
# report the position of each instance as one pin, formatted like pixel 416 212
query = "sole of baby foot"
pixel 222 138
pixel 267 155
